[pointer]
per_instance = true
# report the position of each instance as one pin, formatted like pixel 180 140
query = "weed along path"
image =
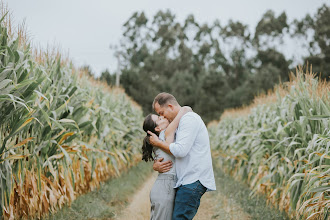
pixel 139 208
pixel 210 208
pixel 230 201
pixel 127 197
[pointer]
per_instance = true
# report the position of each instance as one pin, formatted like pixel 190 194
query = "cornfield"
pixel 282 148
pixel 61 133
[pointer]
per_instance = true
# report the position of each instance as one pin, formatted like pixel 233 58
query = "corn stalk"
pixel 61 133
pixel 282 148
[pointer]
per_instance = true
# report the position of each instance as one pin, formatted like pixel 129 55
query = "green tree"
pixel 212 66
pixel 316 33
pixel 321 60
pixel 270 28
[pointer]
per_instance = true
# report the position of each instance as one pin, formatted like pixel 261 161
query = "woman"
pixel 162 194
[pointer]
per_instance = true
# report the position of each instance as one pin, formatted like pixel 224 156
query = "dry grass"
pixel 107 88
pixel 51 52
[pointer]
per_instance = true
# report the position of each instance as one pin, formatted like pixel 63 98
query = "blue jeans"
pixel 187 200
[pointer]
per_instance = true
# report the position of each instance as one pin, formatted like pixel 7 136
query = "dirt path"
pixel 213 206
pixel 139 208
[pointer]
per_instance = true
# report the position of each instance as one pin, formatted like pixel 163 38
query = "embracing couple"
pixel 177 141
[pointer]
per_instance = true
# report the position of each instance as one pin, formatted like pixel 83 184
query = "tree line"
pixel 211 67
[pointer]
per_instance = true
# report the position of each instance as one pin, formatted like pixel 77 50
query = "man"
pixel 192 156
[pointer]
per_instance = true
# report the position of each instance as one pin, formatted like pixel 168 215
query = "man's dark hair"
pixel 164 98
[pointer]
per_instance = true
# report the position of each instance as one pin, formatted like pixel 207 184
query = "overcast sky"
pixel 86 28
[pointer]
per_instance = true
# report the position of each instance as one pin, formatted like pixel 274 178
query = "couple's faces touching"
pixel 167 111
pixel 160 121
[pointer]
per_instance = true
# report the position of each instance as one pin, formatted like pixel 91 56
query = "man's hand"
pixel 162 167
pixel 154 140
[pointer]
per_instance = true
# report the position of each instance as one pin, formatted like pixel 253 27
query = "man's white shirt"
pixel 192 152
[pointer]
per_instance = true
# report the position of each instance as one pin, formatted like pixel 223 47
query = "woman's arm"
pixel 171 128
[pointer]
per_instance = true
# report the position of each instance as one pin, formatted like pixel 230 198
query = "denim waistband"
pixel 163 176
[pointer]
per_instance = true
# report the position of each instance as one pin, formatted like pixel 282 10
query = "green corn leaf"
pixel 318 117
pixel 4 83
pixel 321 189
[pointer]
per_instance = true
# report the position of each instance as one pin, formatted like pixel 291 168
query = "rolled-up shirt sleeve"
pixel 185 137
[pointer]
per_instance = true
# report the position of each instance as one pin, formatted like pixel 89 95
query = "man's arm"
pixel 189 127
pixel 158 165
pixel 184 141
pixel 170 130
pixel 162 167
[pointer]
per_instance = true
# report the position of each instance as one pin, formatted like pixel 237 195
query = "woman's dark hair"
pixel 148 125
